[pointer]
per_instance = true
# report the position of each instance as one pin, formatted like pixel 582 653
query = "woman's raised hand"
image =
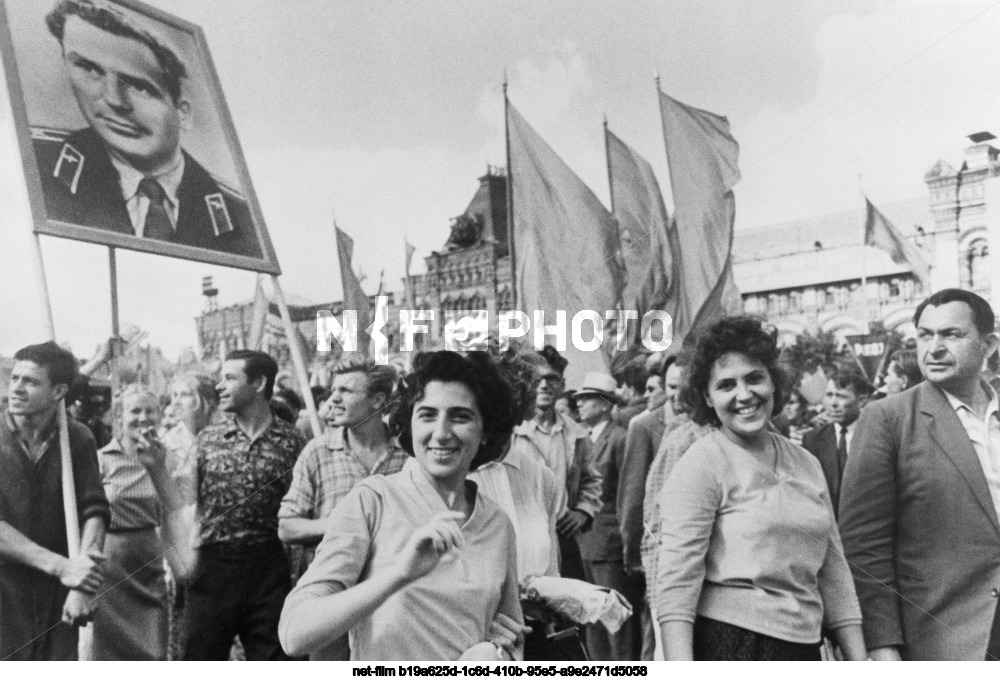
pixel 429 543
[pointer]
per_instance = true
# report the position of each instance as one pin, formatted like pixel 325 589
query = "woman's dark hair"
pixel 479 372
pixel 740 334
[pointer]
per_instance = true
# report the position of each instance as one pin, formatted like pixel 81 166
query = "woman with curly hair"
pixel 750 563
pixel 419 565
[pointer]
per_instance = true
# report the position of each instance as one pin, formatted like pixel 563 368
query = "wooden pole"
pixel 297 359
pixel 65 457
pixel 510 199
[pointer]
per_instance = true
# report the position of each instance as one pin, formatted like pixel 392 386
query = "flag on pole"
pixel 703 159
pixel 259 318
pixel 881 233
pixel 566 243
pixel 643 225
pixel 354 296
pixel 410 296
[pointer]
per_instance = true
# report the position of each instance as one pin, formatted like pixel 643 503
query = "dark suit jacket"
pixel 645 432
pixel 920 530
pixel 96 199
pixel 603 543
pixel 822 443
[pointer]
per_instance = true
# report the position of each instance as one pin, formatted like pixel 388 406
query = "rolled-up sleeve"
pixel 91 500
pixel 689 502
pixel 300 499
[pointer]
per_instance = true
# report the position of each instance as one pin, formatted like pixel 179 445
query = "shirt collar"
pixel 572 428
pixel 12 426
pixel 113 446
pixel 170 179
pixel 596 430
pixel 992 407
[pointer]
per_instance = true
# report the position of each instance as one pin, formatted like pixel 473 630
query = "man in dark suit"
pixel 601 547
pixel 645 432
pixel 127 172
pixel 918 508
pixel 846 393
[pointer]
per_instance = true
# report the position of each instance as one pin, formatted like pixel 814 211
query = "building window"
pixel 977 259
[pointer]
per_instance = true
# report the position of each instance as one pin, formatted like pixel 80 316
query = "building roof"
pixel 833 230
pixel 821 250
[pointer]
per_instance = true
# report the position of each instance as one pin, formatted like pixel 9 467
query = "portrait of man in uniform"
pixel 127 177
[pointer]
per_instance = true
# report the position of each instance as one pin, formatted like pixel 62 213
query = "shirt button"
pixel 995 592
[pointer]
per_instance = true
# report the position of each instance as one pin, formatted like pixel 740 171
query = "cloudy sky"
pixel 383 114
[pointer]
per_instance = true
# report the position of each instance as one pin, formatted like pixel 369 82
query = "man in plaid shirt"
pixel 357 444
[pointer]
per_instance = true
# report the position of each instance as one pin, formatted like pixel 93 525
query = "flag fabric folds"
pixel 643 227
pixel 259 318
pixel 881 233
pixel 703 156
pixel 566 243
pixel 354 296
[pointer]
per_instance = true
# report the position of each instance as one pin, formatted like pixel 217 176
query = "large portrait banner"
pixel 125 134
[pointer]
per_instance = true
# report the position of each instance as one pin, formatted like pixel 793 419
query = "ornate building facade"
pixel 806 275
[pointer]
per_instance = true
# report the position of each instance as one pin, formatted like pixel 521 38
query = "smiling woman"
pixel 750 563
pixel 419 565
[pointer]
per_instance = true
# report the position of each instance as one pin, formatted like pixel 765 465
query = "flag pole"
pixel 65 457
pixel 510 198
pixel 864 268
pixel 607 162
pixel 297 360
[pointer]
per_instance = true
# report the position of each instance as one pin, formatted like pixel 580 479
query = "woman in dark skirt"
pixel 750 563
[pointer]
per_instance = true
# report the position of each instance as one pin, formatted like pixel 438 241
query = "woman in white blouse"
pixel 750 563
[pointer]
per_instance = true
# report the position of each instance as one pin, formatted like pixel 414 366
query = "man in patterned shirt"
pixel 244 470
pixel 354 446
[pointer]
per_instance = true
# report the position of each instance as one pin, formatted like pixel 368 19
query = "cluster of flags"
pixel 572 253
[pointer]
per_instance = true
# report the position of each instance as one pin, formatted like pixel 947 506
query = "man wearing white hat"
pixel 601 547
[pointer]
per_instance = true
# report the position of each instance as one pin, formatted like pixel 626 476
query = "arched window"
pixel 977 260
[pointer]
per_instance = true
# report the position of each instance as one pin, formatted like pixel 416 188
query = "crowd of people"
pixel 735 520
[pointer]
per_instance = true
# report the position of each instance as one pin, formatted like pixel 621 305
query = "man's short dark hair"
pixel 255 365
pixel 982 314
pixel 667 363
pixel 635 375
pixel 290 397
pixel 852 379
pixel 112 21
pixel 378 379
pixel 554 359
pixel 59 364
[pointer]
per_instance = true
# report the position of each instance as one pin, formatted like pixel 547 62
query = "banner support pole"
pixel 297 359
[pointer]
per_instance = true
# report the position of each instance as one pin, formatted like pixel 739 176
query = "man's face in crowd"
pixel 30 391
pixel 350 403
pixel 655 394
pixel 842 404
pixel 550 386
pixel 672 382
pixel 120 89
pixel 950 349
pixel 236 392
pixel 593 408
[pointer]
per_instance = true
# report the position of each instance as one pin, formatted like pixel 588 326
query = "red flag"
pixel 643 225
pixel 565 241
pixel 703 157
pixel 881 233
pixel 354 296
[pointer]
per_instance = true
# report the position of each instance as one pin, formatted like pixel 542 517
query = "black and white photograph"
pixel 120 102
pixel 605 334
